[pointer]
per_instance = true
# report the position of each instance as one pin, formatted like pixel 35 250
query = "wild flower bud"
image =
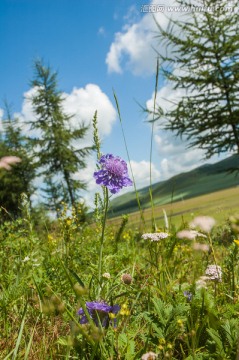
pixel 80 290
pixel 106 275
pixel 60 308
pixel 127 279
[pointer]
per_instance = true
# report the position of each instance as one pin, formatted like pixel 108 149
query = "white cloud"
pixel 86 175
pixel 166 97
pixel 173 151
pixel 175 155
pixel 141 171
pixel 136 45
pixel 133 47
pixel 178 163
pixel 83 102
pixel 101 31
pixel 132 44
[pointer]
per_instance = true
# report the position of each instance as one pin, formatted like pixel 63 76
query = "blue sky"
pixel 96 46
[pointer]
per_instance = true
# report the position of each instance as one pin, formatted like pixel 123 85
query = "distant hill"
pixel 202 180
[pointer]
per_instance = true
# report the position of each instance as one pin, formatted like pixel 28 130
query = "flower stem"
pixel 211 245
pixel 106 204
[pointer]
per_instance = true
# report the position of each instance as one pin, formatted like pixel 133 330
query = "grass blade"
pixel 135 189
pixel 20 334
pixel 30 341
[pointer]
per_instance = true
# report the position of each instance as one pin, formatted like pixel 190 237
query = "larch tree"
pixel 58 159
pixel 201 58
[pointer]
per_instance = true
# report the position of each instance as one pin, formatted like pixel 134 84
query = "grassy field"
pixel 92 291
pixel 93 288
pixel 203 180
pixel 220 205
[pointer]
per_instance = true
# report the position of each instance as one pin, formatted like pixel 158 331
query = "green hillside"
pixel 202 180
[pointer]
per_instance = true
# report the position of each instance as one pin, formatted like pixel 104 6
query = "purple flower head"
pixel 188 295
pixel 113 173
pixel 99 312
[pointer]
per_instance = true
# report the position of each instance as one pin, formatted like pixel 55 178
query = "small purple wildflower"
pixel 98 311
pixel 188 295
pixel 113 173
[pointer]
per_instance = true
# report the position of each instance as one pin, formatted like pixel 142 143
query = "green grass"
pixel 166 306
pixel 44 282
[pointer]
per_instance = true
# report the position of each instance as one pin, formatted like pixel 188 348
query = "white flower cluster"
pixel 214 272
pixel 155 236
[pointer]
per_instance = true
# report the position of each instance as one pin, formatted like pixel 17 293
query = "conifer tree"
pixel 202 59
pixel 59 160
pixel 21 176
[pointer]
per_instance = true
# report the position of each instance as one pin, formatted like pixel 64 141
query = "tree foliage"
pixel 58 159
pixel 202 60
pixel 20 179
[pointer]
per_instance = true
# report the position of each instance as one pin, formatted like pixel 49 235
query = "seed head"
pixel 127 279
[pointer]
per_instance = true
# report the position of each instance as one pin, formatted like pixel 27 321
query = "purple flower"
pixel 113 173
pixel 188 295
pixel 98 311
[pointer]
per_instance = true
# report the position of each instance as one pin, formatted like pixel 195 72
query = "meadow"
pixel 150 275
pixel 220 204
pixel 85 287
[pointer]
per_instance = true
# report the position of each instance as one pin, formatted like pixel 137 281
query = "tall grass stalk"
pixel 127 151
pixel 106 205
pixel 20 334
pixel 30 341
pixel 154 227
